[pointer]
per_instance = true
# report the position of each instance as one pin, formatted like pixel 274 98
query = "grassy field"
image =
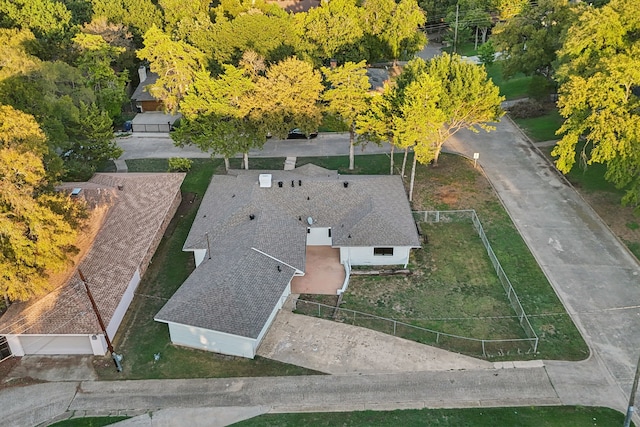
pixel 552 416
pixel 514 88
pixel 454 288
pixel 542 128
pixel 88 422
pixel 140 337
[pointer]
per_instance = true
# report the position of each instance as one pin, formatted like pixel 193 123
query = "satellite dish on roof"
pixel 310 220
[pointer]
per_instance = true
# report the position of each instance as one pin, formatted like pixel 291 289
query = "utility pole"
pixel 632 397
pixel 116 357
pixel 455 30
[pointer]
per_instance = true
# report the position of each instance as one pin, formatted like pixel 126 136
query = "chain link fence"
pixel 472 217
pixel 472 346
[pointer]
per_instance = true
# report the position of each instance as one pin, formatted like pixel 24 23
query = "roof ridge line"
pixel 274 258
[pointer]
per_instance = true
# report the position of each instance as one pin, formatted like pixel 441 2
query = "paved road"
pixel 591 271
pixel 460 388
pixel 159 146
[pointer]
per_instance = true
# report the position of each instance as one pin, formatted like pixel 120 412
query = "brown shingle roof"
pixel 131 224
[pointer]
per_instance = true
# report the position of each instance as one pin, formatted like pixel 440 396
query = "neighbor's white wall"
pixel 272 316
pixel 364 256
pixel 205 339
pixel 55 344
pixel 199 255
pixel 122 307
pixel 15 345
pixel 98 345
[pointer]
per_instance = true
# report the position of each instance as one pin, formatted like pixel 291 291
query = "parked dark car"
pixel 299 134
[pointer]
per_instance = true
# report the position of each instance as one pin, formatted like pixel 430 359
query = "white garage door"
pixel 65 344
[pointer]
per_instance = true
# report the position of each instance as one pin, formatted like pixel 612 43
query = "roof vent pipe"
pixel 299 183
pixel 252 217
pixel 293 183
pixel 280 184
pixel 346 184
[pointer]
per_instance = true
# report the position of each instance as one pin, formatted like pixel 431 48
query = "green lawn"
pixel 542 128
pixel 140 337
pixel 463 48
pixel 88 422
pixel 549 416
pixel 453 289
pixel 515 87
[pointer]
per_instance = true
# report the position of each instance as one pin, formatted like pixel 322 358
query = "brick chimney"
pixel 142 72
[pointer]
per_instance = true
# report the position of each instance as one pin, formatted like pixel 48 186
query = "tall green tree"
pixel 529 40
pixel 90 144
pixel 271 36
pixel 419 120
pixel 36 226
pixel 396 25
pixel 217 116
pixel 599 97
pixel 43 17
pixel 334 30
pixel 138 15
pixel 176 64
pixel 378 123
pixel 348 97
pixel 287 97
pixel 95 61
pixel 470 100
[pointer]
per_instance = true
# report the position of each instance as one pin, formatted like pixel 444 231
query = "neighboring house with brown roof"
pixel 139 206
pixel 151 116
pixel 249 240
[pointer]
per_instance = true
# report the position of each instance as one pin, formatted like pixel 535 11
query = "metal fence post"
pixel 394 327
pixel 484 354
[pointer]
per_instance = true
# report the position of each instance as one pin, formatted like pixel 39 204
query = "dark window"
pixel 383 251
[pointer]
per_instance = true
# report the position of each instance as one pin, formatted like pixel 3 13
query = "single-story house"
pixel 249 241
pixel 151 116
pixel 132 210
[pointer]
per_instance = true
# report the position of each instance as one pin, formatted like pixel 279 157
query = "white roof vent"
pixel 265 180
pixel 310 221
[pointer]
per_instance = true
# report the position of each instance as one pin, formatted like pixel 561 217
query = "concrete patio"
pixel 324 274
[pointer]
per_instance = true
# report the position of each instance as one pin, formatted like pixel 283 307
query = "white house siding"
pixel 318 236
pixel 50 344
pixel 272 316
pixel 205 339
pixel 199 255
pixel 365 256
pixel 122 307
